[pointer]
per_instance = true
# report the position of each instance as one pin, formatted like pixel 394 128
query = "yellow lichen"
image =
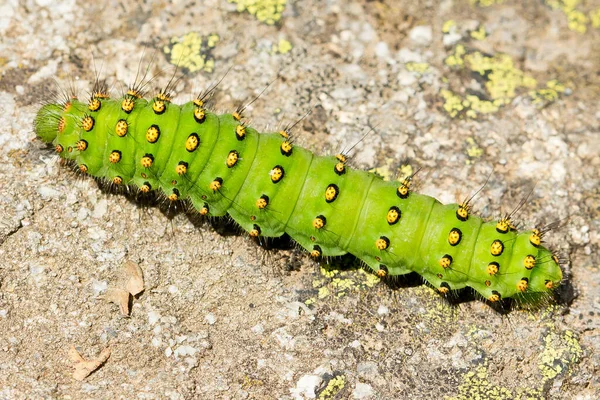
pixel 485 3
pixel 334 386
pixel 266 11
pixel 479 34
pixel 595 18
pixel 561 352
pixel 417 67
pixel 456 59
pixel 192 51
pixel 448 25
pixel 577 20
pixel 546 95
pixel 282 47
pixel 473 150
pixel 453 103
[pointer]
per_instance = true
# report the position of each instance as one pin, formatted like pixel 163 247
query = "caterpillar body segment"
pixel 271 187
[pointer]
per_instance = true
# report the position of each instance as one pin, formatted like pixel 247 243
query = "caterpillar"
pixel 220 166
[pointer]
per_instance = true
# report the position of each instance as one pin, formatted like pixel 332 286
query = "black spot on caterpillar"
pixel 270 188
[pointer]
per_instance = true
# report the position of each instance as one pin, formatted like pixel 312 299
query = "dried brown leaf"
pixel 119 297
pixel 83 367
pixel 135 283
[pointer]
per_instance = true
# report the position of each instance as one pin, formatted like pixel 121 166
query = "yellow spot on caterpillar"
pixel 319 222
pixel 128 103
pixel 331 193
pixel 115 156
pixel 174 196
pixel 316 252
pixel 199 111
pixel 393 215
pixel 443 289
pixel 232 158
pixel 529 261
pixel 549 284
pixel 82 145
pixel 121 128
pixel 117 180
pixel 181 168
pixel 216 184
pixel 69 149
pixel 136 94
pixel 145 188
pixel 341 158
pixel 240 132
pixel 454 236
pixel 163 96
pixel 58 148
pixel 382 272
pixel 204 209
pixel 158 106
pixel 174 182
pixel 62 122
pixel 446 261
pixel 152 134
pixel 382 243
pixel 192 142
pixel 94 104
pixel 535 238
pixel 494 297
pixel 492 268
pixel 522 284
pixel 404 189
pixel 463 212
pixel 284 134
pixel 87 123
pixel 339 168
pixel 286 148
pixel 497 247
pixel 503 225
pixel 262 202
pixel 255 231
pixel 147 161
pixel 83 168
pixel 237 116
pixel 488 283
pixel 276 173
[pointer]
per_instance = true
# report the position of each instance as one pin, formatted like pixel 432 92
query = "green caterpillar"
pixel 271 187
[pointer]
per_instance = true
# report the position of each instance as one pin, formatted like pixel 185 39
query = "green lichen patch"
pixel 501 80
pixel 266 11
pixel 577 19
pixel 334 388
pixel 192 51
pixel 561 353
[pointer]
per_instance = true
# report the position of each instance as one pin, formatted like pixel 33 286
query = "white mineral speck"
pixel 306 386
pixel 421 35
pixel 48 193
pixel 258 329
pixel 362 391
pixel 383 310
pixel 99 287
pixel 100 209
pixel 153 317
pixel 210 319
pixel 168 352
pixel 185 350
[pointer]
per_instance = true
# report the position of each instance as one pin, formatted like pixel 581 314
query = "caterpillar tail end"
pixel 47 122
